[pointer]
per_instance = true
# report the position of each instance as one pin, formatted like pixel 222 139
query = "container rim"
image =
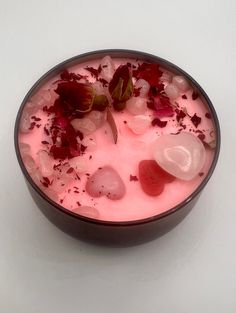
pixel 118 53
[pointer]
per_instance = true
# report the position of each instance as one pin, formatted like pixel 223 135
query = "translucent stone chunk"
pixel 172 91
pixel 45 163
pixel 108 68
pixel 106 182
pixel 85 125
pixel 136 105
pixel 25 123
pixel 29 163
pixel 24 148
pixel 143 87
pixel 181 83
pixel 97 117
pixel 79 164
pixel 182 155
pixel 139 124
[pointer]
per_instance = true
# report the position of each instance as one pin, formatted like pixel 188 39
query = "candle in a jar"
pixel 117 139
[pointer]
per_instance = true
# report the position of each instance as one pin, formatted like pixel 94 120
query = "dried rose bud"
pixel 121 86
pixel 100 102
pixel 76 96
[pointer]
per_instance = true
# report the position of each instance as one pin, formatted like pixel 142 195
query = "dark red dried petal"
pixel 137 92
pixel 133 178
pixel 208 115
pixel 70 170
pixel 32 125
pixel 149 72
pixel 195 95
pixel 103 81
pixel 83 148
pixel 95 72
pixel 59 152
pixel 36 119
pixel 159 123
pixel 196 120
pixel 66 75
pixel 201 137
pixel 179 114
pixel 184 97
pixel 155 90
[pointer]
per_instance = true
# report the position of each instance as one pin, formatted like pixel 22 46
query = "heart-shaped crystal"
pixel 182 155
pixel 106 182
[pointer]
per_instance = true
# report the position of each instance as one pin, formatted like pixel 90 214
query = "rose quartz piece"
pixel 24 148
pixel 106 182
pixel 79 164
pixel 136 105
pixel 61 183
pixel 29 163
pixel 181 83
pixel 143 87
pixel 172 91
pixel 139 124
pixel 108 68
pixel 45 163
pixel 25 122
pixel 87 211
pixel 85 125
pixel 97 117
pixel 182 155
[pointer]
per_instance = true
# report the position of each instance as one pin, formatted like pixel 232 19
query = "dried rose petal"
pixel 196 120
pixel 149 72
pixel 159 123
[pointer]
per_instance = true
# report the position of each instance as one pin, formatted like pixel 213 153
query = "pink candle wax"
pixel 79 159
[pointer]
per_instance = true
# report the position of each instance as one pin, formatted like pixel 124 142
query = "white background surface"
pixel 192 269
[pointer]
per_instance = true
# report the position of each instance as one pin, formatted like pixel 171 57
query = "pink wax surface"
pixel 124 157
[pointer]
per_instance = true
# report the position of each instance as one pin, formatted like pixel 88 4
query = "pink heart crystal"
pixel 106 182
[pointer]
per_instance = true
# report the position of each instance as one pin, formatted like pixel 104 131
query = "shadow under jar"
pixel 116 145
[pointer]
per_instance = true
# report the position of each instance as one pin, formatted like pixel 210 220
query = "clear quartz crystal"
pixel 108 68
pixel 98 88
pixel 182 155
pixel 24 148
pixel 172 91
pixel 139 124
pixel 181 83
pixel 29 163
pixel 85 125
pixel 79 164
pixel 143 87
pixel 97 117
pixel 45 163
pixel 166 77
pixel 61 183
pixel 136 105
pixel 25 122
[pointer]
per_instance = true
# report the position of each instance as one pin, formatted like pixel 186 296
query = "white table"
pixel 192 269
